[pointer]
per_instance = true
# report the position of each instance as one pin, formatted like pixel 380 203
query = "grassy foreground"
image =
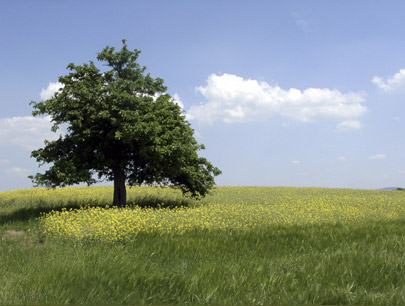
pixel 240 245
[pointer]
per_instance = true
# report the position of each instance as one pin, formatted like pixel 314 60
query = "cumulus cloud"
pixel 395 83
pixel 177 100
pixel 26 132
pixel 48 92
pixel 230 98
pixel 378 156
pixel 349 125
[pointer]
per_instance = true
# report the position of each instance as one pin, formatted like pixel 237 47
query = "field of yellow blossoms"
pixel 227 208
pixel 238 245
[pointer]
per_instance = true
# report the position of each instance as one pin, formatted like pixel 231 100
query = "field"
pixel 239 245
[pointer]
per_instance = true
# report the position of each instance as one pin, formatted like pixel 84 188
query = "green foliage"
pixel 121 124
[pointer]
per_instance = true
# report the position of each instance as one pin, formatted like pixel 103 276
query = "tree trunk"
pixel 120 193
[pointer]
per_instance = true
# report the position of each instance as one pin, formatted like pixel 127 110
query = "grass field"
pixel 239 245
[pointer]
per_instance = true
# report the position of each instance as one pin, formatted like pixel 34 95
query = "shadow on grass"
pixel 27 213
pixel 152 201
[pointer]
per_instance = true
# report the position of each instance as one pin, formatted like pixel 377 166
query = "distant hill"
pixel 392 188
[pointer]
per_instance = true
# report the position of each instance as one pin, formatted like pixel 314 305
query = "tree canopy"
pixel 122 126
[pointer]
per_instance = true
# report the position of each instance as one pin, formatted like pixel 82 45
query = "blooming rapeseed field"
pixel 238 245
pixel 228 208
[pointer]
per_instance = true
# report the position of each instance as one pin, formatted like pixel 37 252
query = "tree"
pixel 121 126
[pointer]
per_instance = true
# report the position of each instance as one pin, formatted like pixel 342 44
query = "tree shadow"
pixel 158 202
pixel 150 201
pixel 27 213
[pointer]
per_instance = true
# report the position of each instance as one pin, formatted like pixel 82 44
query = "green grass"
pixel 360 262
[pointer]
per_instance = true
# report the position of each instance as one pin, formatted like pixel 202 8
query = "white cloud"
pixel 16 171
pixel 348 125
pixel 295 161
pixel 27 132
pixel 378 156
pixel 396 83
pixel 48 92
pixel 231 98
pixel 176 99
pixel 342 159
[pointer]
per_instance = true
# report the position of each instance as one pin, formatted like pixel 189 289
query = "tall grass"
pixel 353 261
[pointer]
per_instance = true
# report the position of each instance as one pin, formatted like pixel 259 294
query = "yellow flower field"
pixel 228 208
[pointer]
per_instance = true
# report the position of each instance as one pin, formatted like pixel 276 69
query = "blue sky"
pixel 282 93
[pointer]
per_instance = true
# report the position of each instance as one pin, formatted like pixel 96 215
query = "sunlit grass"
pixel 239 245
pixel 287 206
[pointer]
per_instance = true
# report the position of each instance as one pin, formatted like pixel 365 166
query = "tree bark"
pixel 120 192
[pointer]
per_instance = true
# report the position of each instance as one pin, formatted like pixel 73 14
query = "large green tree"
pixel 121 126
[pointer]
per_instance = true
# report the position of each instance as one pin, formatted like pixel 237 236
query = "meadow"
pixel 239 245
